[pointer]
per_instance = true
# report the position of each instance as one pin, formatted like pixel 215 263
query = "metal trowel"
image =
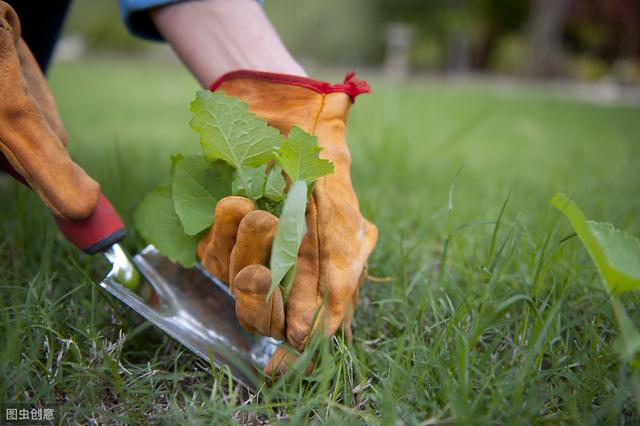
pixel 188 304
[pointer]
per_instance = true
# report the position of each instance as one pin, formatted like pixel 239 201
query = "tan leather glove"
pixel 332 259
pixel 32 136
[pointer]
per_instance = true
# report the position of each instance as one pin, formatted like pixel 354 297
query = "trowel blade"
pixel 191 306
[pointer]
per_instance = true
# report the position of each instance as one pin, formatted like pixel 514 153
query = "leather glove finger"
pixel 253 242
pixel 255 313
pixel 251 279
pixel 214 250
pixel 282 360
pixel 342 290
pixel 39 89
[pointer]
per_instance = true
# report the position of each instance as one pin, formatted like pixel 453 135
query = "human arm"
pixel 214 37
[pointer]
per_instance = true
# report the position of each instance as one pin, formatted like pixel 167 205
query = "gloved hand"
pixel 332 260
pixel 32 136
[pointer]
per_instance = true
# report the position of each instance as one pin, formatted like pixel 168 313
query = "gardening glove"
pixel 332 259
pixel 32 136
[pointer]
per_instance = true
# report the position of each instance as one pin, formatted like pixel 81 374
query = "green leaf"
pixel 158 223
pixel 274 189
pixel 299 157
pixel 291 229
pixel 229 132
pixel 197 186
pixel 615 253
pixel 254 179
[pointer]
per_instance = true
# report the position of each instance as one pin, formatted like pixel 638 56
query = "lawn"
pixel 476 321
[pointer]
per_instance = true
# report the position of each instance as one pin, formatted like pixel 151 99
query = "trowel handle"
pixel 99 232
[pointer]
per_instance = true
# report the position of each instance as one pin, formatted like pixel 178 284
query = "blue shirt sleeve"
pixel 136 18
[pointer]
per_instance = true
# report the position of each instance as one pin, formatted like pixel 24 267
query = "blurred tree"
pixel 546 25
pixel 609 29
pixel 466 30
pixel 502 30
pixel 603 38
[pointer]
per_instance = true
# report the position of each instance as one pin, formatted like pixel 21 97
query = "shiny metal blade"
pixel 191 306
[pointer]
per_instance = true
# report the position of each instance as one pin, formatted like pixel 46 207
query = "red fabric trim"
pixel 350 86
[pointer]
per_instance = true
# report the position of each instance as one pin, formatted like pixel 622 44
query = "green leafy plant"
pixel 616 254
pixel 242 155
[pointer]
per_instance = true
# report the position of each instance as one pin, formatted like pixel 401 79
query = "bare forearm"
pixel 213 37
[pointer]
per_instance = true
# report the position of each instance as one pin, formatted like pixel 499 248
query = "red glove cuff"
pixel 350 85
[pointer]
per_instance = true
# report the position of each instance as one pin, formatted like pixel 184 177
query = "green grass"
pixel 484 321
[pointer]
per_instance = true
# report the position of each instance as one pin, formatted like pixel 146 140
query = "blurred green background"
pixel 577 39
